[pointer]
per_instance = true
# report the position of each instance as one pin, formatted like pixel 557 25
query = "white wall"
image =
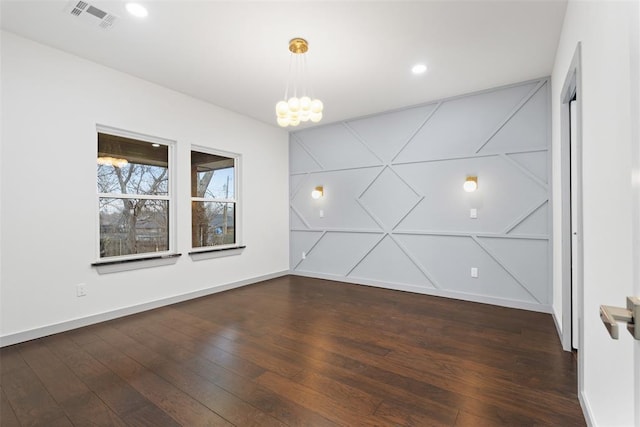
pixel 604 28
pixel 51 103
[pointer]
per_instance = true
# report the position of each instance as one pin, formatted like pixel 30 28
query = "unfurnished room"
pixel 320 213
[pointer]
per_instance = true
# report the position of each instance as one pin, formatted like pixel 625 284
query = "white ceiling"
pixel 235 53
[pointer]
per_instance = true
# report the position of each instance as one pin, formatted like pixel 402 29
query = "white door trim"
pixel 572 86
pixel 634 59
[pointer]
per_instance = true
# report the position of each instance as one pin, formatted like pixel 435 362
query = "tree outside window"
pixel 133 196
pixel 213 200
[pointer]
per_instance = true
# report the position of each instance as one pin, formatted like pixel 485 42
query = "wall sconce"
pixel 470 184
pixel 317 192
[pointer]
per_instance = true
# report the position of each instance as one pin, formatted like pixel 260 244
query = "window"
pixel 134 196
pixel 214 201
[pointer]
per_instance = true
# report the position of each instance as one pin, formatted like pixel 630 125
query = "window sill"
pixel 105 267
pixel 216 253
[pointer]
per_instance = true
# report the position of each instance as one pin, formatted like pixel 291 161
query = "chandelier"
pixel 292 111
pixel 112 161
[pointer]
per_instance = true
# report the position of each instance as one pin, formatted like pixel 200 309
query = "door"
pixel 634 61
pixel 571 208
pixel 635 141
pixel 636 249
pixel 576 278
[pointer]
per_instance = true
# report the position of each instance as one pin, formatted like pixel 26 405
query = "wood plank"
pixel 242 386
pixel 113 390
pixel 279 407
pixel 150 416
pixel 430 409
pixel 215 398
pixel 238 345
pixel 333 409
pixel 59 381
pixel 10 359
pixel 496 360
pixel 177 404
pixel 82 336
pixel 88 409
pixel 466 419
pixel 402 413
pixel 299 352
pixel 239 385
pixel 79 403
pixel 353 398
pixel 182 346
pixel 398 380
pixel 7 416
pixel 31 402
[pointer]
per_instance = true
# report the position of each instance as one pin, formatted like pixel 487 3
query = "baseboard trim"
pixel 68 325
pixel 433 292
pixel 558 329
pixel 586 409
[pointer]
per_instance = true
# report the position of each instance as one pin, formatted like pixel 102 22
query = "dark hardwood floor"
pixel 295 351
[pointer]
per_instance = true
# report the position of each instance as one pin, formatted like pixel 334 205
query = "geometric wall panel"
pixel 535 224
pixel 394 211
pixel 339 205
pixel 386 134
pixel 535 162
pixel 527 260
pixel 297 182
pixel 388 263
pixel 301 241
pixel 503 194
pixel 450 259
pixel 295 221
pixel 459 126
pixel 335 147
pixel 523 130
pixel 337 253
pixel 300 160
pixel 389 198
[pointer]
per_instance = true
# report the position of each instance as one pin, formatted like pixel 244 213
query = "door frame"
pixel 634 61
pixel 572 87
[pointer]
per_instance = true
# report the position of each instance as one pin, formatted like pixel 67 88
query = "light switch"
pixel 321 213
pixel 473 213
pixel 474 272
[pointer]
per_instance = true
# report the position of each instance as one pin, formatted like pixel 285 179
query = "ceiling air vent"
pixel 92 15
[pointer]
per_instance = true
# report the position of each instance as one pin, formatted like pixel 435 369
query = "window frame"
pixel 236 200
pixel 170 198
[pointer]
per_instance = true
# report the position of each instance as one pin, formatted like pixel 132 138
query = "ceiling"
pixel 235 53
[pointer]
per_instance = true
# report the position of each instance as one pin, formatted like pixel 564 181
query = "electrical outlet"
pixel 81 290
pixel 304 255
pixel 474 272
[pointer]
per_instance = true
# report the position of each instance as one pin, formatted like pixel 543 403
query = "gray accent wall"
pixel 394 213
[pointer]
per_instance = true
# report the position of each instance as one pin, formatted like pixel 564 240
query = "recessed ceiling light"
pixel 136 9
pixel 419 69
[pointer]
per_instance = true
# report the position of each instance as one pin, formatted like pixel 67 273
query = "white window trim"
pixel 171 197
pixel 221 250
pixel 106 267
